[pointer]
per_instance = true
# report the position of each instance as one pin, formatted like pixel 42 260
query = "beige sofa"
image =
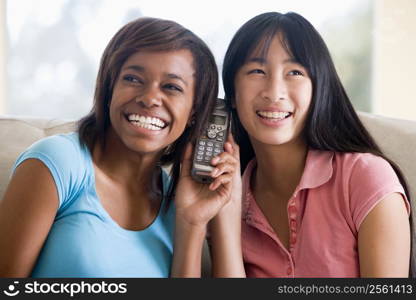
pixel 397 138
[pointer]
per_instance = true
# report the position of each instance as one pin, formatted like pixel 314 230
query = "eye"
pixel 296 73
pixel 256 71
pixel 132 79
pixel 173 87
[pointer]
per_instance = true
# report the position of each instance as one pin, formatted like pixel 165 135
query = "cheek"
pixel 239 87
pixel 183 114
pixel 304 97
pixel 305 103
pixel 243 106
pixel 243 112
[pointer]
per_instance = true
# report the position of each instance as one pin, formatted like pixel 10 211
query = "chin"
pixel 143 147
pixel 276 140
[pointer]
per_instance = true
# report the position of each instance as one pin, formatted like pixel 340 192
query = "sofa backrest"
pixel 18 133
pixel 397 139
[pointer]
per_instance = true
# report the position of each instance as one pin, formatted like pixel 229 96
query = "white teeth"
pixel 147 126
pixel 146 122
pixel 273 114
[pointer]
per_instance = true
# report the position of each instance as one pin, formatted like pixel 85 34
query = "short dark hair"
pixel 156 35
pixel 332 123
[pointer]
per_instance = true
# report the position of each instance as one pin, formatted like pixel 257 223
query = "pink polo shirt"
pixel 335 194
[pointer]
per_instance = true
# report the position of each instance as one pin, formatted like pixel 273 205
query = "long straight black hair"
pixel 332 123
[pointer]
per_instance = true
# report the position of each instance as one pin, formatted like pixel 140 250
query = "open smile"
pixel 273 115
pixel 148 122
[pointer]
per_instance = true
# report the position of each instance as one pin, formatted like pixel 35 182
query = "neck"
pixel 279 168
pixel 122 165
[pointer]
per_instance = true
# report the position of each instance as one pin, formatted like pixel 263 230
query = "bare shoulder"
pixel 387 211
pixel 27 211
pixel 384 239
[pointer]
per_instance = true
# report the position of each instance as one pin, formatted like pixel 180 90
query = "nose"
pixel 275 89
pixel 150 97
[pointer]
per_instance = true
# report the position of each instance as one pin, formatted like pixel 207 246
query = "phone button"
pixel 202 143
pixel 212 134
pixel 220 139
pixel 210 144
pixel 199 157
pixel 201 148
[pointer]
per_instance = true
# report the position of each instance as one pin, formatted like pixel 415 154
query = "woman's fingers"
pixel 233 145
pixel 224 157
pixel 221 180
pixel 187 160
pixel 223 168
pixel 224 163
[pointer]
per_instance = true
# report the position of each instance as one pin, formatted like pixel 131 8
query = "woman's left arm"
pixel 384 239
pixel 225 229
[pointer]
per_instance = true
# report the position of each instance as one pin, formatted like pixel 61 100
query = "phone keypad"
pixel 208 149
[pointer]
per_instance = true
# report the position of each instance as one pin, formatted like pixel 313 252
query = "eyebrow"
pixel 134 68
pixel 138 68
pixel 263 61
pixel 175 76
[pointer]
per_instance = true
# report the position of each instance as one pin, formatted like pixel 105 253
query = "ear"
pixel 191 119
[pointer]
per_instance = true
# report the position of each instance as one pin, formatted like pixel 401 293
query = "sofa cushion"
pixel 397 139
pixel 17 133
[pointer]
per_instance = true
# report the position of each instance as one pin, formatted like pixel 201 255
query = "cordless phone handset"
pixel 211 142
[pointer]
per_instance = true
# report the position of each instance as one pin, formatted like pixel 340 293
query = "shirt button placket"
pixel 292 223
pixel 292 213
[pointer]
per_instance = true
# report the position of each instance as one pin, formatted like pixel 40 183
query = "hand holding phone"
pixel 211 142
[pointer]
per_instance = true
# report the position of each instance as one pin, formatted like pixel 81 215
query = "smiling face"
pixel 272 96
pixel 152 99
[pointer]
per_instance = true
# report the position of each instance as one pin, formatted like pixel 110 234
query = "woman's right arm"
pixel 196 204
pixel 27 212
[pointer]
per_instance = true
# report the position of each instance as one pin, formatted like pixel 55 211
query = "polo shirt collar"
pixel 318 170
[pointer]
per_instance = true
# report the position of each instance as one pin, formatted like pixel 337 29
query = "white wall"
pixel 2 56
pixel 394 86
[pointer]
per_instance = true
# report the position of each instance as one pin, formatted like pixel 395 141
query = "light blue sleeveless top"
pixel 84 240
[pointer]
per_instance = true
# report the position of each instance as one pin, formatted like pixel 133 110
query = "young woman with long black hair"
pixel 320 199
